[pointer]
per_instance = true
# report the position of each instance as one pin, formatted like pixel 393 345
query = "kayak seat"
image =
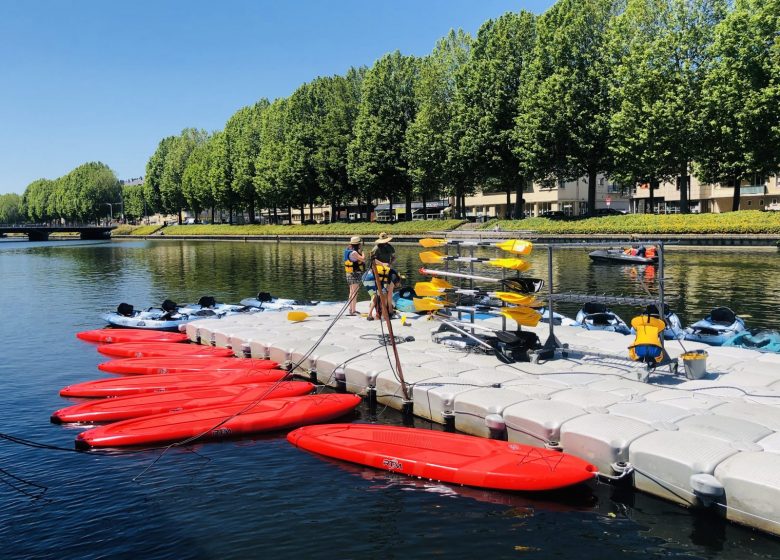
pixel 647 346
pixel 594 307
pixel 125 309
pixel 207 301
pixel 600 319
pixel 722 315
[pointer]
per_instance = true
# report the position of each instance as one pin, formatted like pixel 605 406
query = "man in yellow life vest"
pixel 354 267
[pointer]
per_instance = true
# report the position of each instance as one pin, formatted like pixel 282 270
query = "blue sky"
pixel 89 80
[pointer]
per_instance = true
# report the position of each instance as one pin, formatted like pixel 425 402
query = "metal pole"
pixel 550 288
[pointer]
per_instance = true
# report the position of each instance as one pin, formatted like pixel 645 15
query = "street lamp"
pixel 110 209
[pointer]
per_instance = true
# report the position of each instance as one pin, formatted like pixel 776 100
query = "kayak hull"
pixel 220 422
pixel 136 385
pixel 164 365
pixel 111 336
pixel 446 457
pixel 160 349
pixel 147 404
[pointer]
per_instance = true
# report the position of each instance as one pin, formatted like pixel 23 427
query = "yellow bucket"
pixel 695 364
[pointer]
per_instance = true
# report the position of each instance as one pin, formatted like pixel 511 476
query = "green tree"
pixel 134 201
pixel 195 182
pixel 304 110
pixel 243 137
pixel 220 175
pixel 36 200
pixel 11 209
pixel 741 108
pixel 562 130
pixel 658 96
pixel 375 159
pixel 154 175
pixel 334 130
pixel 88 192
pixel 179 151
pixel 269 183
pixel 487 104
pixel 428 144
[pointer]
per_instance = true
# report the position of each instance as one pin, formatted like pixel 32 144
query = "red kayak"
pixel 109 336
pixel 169 382
pixel 160 366
pixel 161 349
pixel 146 404
pixel 446 457
pixel 220 422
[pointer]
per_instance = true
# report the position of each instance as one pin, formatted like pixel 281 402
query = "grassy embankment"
pixel 742 222
pixel 362 228
pixel 127 229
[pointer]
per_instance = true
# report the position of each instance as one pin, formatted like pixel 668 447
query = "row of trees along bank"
pixel 639 90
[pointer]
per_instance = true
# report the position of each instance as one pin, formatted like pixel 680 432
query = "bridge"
pixel 42 232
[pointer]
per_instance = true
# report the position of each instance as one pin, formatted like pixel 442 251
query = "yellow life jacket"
pixel 647 344
pixel 352 266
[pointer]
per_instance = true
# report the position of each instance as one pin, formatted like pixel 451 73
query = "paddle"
pixel 524 316
pixel 516 246
pixel 525 285
pixel 302 315
pixel 431 289
pixel 435 257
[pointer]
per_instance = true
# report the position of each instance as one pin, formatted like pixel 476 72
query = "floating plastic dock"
pixel 710 442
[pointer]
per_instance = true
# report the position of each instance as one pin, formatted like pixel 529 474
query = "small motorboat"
pixel 631 255
pixel 674 329
pixel 716 328
pixel 596 316
pixel 763 340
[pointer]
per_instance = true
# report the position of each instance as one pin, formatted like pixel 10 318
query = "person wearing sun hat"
pixel 383 252
pixel 354 266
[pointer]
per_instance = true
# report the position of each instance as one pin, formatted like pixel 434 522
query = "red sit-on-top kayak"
pixel 158 366
pixel 146 404
pixel 109 336
pixel 220 422
pixel 121 387
pixel 446 457
pixel 160 349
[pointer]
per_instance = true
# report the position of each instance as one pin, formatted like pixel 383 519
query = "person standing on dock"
pixel 354 266
pixel 383 252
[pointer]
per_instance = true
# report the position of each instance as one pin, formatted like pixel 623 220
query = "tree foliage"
pixel 376 161
pixel 11 209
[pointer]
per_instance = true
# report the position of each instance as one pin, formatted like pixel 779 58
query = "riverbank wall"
pixel 769 241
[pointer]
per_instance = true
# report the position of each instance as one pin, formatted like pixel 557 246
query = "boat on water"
pixel 631 255
pixel 762 340
pixel 674 329
pixel 716 328
pixel 596 316
pixel 169 316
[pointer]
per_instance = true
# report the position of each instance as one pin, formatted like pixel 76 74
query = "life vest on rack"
pixel 352 266
pixel 647 345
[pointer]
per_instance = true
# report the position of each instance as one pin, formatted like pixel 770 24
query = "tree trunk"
pixel 519 201
pixel 653 186
pixel 463 204
pixel 230 215
pixel 333 207
pixel 391 209
pixel 425 206
pixel 508 211
pixel 591 192
pixel 303 213
pixel 737 194
pixel 251 211
pixel 311 210
pixel 456 214
pixel 684 189
pixel 408 196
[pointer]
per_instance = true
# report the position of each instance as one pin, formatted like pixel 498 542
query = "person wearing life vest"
pixel 650 252
pixel 389 281
pixel 354 267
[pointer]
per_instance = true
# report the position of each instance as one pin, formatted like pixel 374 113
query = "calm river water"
pixel 261 496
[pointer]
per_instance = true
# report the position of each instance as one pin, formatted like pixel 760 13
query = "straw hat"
pixel 355 240
pixel 384 238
